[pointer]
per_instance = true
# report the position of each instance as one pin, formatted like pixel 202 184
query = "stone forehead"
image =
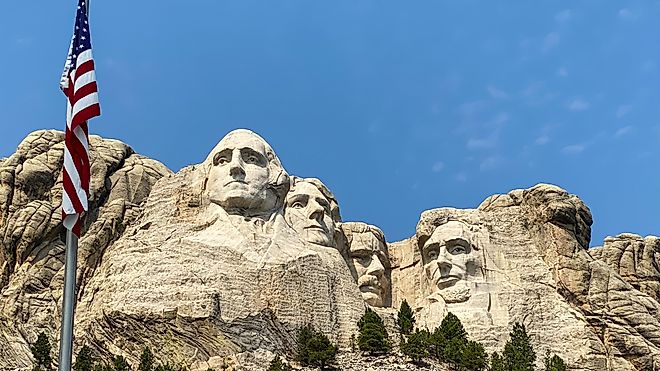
pixel 240 138
pixel 305 188
pixel 453 229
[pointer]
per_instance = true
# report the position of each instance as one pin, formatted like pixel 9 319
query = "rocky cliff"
pixel 220 263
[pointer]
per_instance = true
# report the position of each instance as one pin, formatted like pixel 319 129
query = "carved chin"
pixel 456 294
pixel 372 299
pixel 318 237
pixel 247 199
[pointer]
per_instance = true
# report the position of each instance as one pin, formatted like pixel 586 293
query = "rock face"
pixel 32 236
pixel 219 264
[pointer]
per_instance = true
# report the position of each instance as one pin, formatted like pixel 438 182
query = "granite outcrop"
pixel 219 264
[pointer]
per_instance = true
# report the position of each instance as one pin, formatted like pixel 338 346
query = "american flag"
pixel 79 85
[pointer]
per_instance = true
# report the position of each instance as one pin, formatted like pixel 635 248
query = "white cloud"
pixel 564 16
pixel 471 108
pixel 578 105
pixel 496 93
pixel 481 143
pixel 623 131
pixel 438 167
pixel 490 163
pixel 648 65
pixel 627 14
pixel 461 177
pixel 543 139
pixel 623 110
pixel 550 41
pixel 573 149
pixel 562 72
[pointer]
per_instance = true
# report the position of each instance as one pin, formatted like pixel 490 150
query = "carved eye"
pixel 252 160
pixel 297 205
pixel 221 159
pixel 457 249
pixel 432 254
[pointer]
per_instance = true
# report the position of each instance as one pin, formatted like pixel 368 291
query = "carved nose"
pixel 376 267
pixel 444 264
pixel 236 166
pixel 316 211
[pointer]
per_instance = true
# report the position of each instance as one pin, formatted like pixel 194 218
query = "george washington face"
pixel 241 173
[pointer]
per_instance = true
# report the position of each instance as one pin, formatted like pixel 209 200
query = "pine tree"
pixel 277 365
pixel 452 328
pixel 84 360
pixel 119 363
pixel 453 351
pixel 304 335
pixel 497 362
pixel 405 318
pixel 518 352
pixel 41 353
pixel 373 335
pixel 314 348
pixel 437 344
pixel 321 351
pixel 146 360
pixel 417 346
pixel 474 357
pixel 554 363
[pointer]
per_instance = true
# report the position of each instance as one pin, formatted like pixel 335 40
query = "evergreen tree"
pixel 314 348
pixel 119 363
pixel 405 318
pixel 304 335
pixel 417 346
pixel 437 344
pixel 41 353
pixel 277 365
pixel 518 352
pixel 321 351
pixel 373 335
pixel 554 363
pixel 453 352
pixel 146 360
pixel 452 328
pixel 497 362
pixel 84 360
pixel 474 357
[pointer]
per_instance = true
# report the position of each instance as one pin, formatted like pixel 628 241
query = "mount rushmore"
pixel 222 262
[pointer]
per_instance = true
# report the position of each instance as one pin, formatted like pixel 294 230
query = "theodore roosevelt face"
pixel 369 257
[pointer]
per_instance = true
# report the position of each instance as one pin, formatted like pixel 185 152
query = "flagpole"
pixel 68 306
pixel 69 293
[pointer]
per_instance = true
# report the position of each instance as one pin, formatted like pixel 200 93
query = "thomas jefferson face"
pixel 368 255
pixel 239 175
pixel 308 211
pixel 449 257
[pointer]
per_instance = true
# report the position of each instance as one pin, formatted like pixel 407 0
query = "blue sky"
pixel 397 107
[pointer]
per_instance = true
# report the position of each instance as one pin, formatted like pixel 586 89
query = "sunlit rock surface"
pixel 219 264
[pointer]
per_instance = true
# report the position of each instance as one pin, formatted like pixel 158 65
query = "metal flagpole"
pixel 69 294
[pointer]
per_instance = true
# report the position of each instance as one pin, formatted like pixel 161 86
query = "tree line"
pixel 86 361
pixel 448 344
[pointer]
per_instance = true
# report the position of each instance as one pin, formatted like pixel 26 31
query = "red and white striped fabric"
pixel 79 85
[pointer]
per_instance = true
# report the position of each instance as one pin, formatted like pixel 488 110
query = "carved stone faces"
pixel 312 211
pixel 245 177
pixel 450 260
pixel 369 258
